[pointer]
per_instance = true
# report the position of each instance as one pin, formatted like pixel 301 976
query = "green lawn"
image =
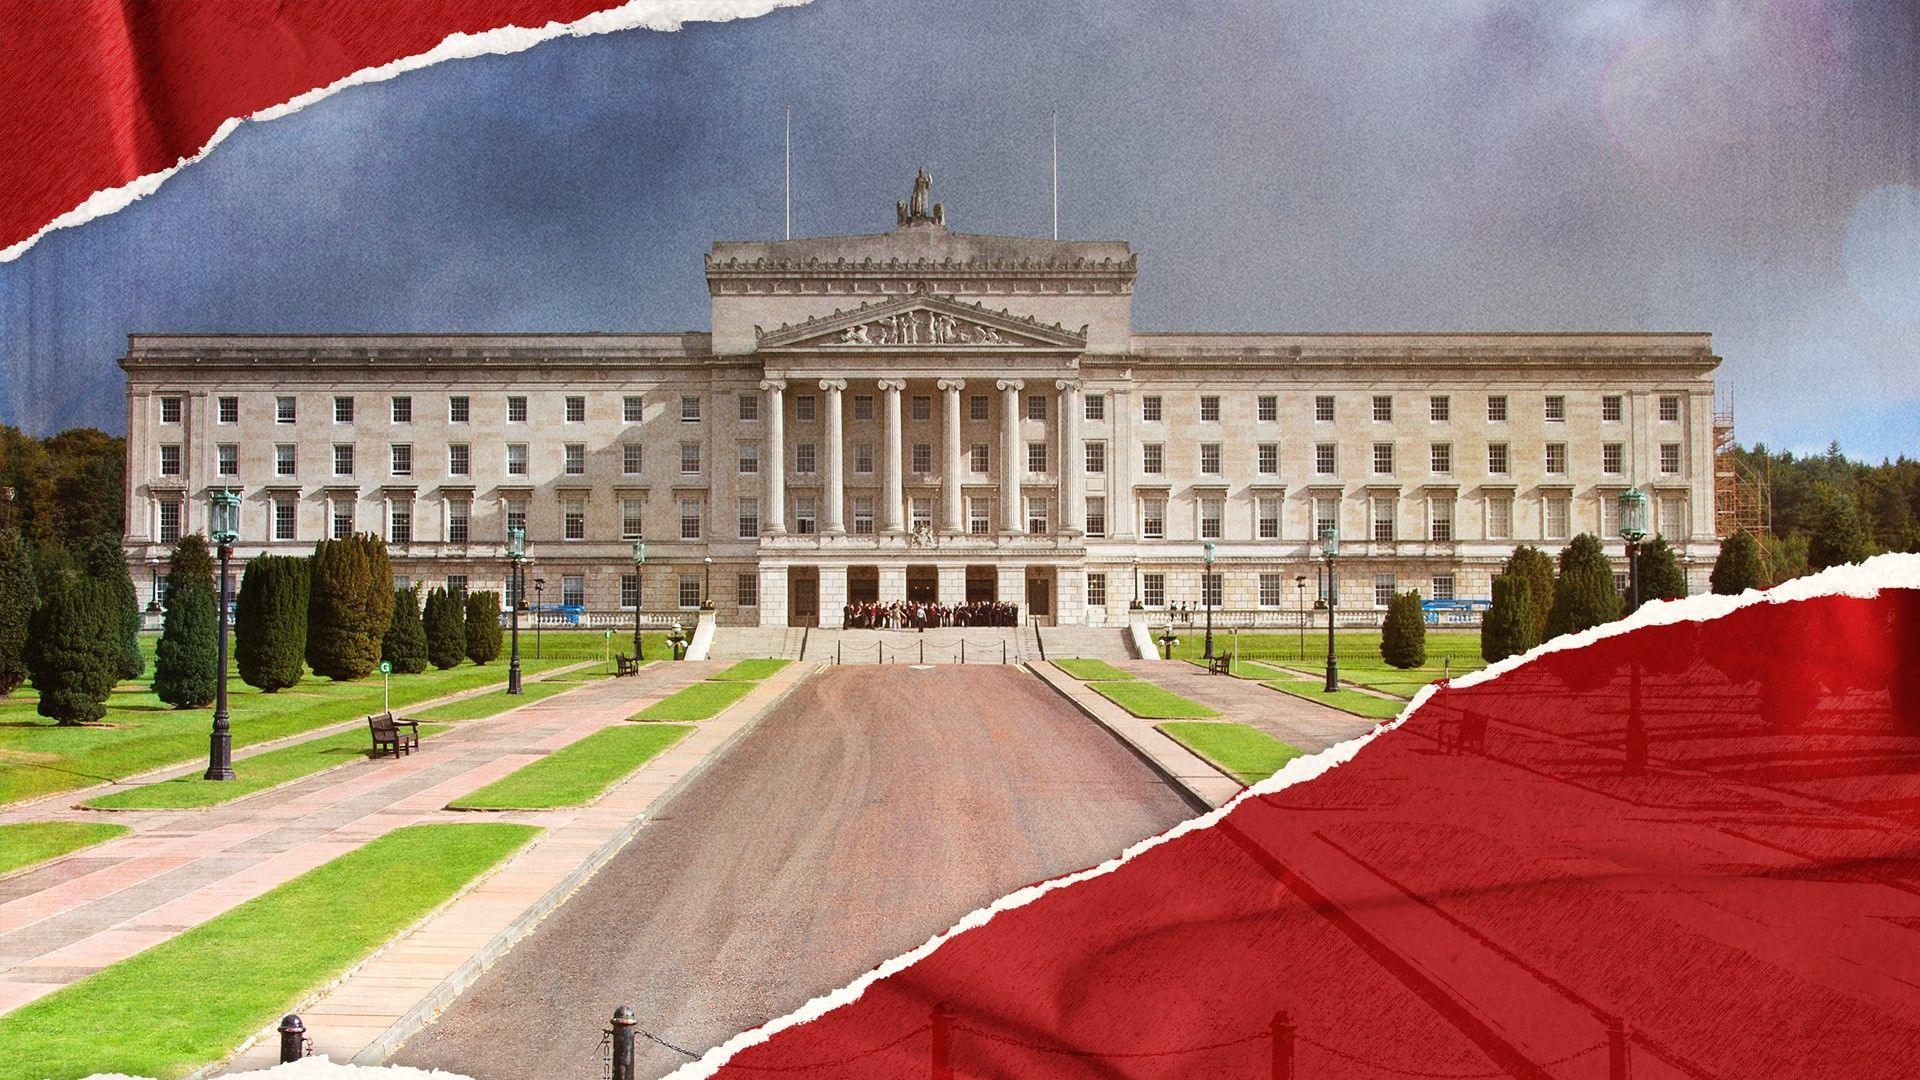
pixel 37 841
pixel 751 671
pixel 499 701
pixel 1150 702
pixel 577 774
pixel 257 773
pixel 1092 670
pixel 1247 669
pixel 1348 701
pixel 190 1000
pixel 696 702
pixel 140 732
pixel 1449 653
pixel 1245 753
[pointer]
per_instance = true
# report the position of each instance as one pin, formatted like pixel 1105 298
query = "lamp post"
pixel 223 520
pixel 1330 550
pixel 1137 605
pixel 639 560
pixel 1206 596
pixel 1633 529
pixel 706 604
pixel 516 555
pixel 539 591
pixel 1300 586
pixel 1168 641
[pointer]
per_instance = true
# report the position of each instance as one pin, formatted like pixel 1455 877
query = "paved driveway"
pixel 871 811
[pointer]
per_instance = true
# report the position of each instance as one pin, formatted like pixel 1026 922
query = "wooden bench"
pixel 400 735
pixel 1220 665
pixel 624 665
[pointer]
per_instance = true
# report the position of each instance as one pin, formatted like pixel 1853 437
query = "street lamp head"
pixel 639 552
pixel 1209 551
pixel 1330 541
pixel 1300 580
pixel 516 543
pixel 223 517
pixel 1633 515
pixel 708 560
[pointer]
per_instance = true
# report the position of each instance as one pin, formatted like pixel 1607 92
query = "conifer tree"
pixel 1659 569
pixel 1403 634
pixel 405 644
pixel 191 563
pixel 1536 567
pixel 270 622
pixel 483 626
pixel 1584 595
pixel 446 629
pixel 1836 535
pixel 1738 568
pixel 103 562
pixel 73 648
pixel 186 661
pixel 350 606
pixel 19 596
pixel 1507 629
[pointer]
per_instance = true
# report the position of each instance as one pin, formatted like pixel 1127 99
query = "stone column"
pixel 833 521
pixel 954 511
pixel 1073 504
pixel 1012 468
pixel 893 510
pixel 773 516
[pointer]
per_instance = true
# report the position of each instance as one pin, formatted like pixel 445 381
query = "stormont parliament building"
pixel 926 415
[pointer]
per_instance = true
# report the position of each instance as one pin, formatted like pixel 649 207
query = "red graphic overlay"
pixel 1685 851
pixel 99 93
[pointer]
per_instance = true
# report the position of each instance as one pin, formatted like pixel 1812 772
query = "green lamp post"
pixel 1633 529
pixel 1206 596
pixel 639 561
pixel 1330 550
pixel 223 526
pixel 516 555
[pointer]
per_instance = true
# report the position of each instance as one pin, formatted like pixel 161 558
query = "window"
pixel 403 409
pixel 633 518
pixel 1210 408
pixel 1273 590
pixel 1323 409
pixel 1497 409
pixel 1440 519
pixel 803 458
pixel 573 519
pixel 689 458
pixel 1269 408
pixel 979 407
pixel 805 407
pixel 1095 407
pixel 922 458
pixel 629 591
pixel 1443 586
pixel 459 409
pixel 517 514
pixel 1610 458
pixel 170 410
pixel 170 459
pixel 284 411
pixel 574 459
pixel 1382 409
pixel 576 409
pixel 688 594
pixel 1266 511
pixel 1212 508
pixel 749 407
pixel 459 520
pixel 1153 459
pixel 749 516
pixel 1670 515
pixel 749 459
pixel 1096 454
pixel 979 456
pixel 690 519
pixel 1669 408
pixel 169 526
pixel 863 515
pixel 1609 515
pixel 401 458
pixel 1500 517
pixel 1442 455
pixel 920 513
pixel 1096 590
pixel 746 590
pixel 1383 516
pixel 284 510
pixel 1153 590
pixel 285 463
pixel 632 458
pixel 1439 408
pixel 1210 459
pixel 1153 517
pixel 921 407
pixel 1267 459
pixel 1610 408
pixel 1497 458
pixel 1620 580
pixel 1323 459
pixel 1096 515
pixel 633 409
pixel 1670 458
pixel 1038 514
pixel 1556 410
pixel 459 459
pixel 516 409
pixel 863 457
pixel 1382 458
pixel 1556 511
pixel 229 410
pixel 1326 515
pixel 573 590
pixel 1150 408
pixel 227 459
pixel 1384 589
pixel 863 406
pixel 979 515
pixel 1210 589
pixel 400 523
pixel 1556 459
pixel 516 459
pixel 342 518
pixel 1036 407
pixel 806 515
pixel 689 409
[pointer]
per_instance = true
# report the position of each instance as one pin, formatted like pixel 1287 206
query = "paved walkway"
pixel 64 920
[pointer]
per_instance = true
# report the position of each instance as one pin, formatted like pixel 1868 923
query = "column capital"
pixel 893 384
pixel 953 384
pixel 773 384
pixel 1067 384
pixel 833 384
pixel 1010 384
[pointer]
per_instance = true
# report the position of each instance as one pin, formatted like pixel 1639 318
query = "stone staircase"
pixel 1092 642
pixel 942 645
pixel 751 642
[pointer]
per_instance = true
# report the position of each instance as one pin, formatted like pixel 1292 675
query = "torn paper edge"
pixel 664 15
pixel 1861 580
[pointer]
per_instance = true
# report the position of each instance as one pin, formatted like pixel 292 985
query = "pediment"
pixel 922 321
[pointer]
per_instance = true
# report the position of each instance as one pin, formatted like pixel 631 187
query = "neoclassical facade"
pixel 930 415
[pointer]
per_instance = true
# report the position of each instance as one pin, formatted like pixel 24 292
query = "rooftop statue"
pixel 915 210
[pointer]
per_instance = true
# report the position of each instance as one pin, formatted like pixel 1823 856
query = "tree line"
pixel 1827 509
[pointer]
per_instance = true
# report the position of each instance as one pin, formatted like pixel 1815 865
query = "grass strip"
pixel 576 774
pixel 1150 702
pixel 1092 670
pixel 696 702
pixel 1347 701
pixel 251 774
pixel 37 841
pixel 751 671
pixel 190 1000
pixel 481 706
pixel 1245 753
pixel 1248 669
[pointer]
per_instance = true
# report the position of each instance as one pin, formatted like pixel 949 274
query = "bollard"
pixel 1282 1029
pixel 923 651
pixel 942 1028
pixel 622 1045
pixel 1619 1050
pixel 963 650
pixel 836 652
pixel 1003 650
pixel 293 1038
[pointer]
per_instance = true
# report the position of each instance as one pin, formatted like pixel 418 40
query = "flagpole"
pixel 789 172
pixel 1056 175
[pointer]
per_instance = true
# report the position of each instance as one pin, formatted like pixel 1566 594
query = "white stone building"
pixel 925 414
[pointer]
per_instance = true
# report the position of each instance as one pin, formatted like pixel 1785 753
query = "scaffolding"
pixel 1742 495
